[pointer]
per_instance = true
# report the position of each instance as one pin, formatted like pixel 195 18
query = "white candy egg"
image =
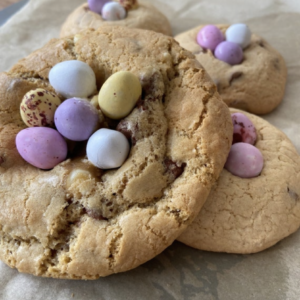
pixel 113 11
pixel 239 34
pixel 73 78
pixel 107 149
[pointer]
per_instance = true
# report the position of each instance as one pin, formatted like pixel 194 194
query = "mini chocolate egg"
pixel 73 78
pixel 243 129
pixel 244 160
pixel 119 94
pixel 113 11
pixel 97 5
pixel 42 147
pixel 38 107
pixel 76 119
pixel 209 37
pixel 229 52
pixel 239 34
pixel 107 149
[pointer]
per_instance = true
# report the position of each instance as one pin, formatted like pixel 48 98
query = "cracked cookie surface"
pixel 249 215
pixel 145 16
pixel 77 221
pixel 256 85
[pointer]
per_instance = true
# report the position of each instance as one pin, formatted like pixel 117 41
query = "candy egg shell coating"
pixel 76 119
pixel 107 149
pixel 119 94
pixel 113 11
pixel 97 5
pixel 38 107
pixel 209 37
pixel 229 52
pixel 244 160
pixel 73 78
pixel 42 147
pixel 243 129
pixel 239 34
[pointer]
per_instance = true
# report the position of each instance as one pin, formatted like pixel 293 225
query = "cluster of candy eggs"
pixel 111 10
pixel 244 159
pixel 238 37
pixel 76 118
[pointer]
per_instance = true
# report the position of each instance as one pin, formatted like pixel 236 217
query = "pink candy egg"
pixel 209 37
pixel 42 147
pixel 243 129
pixel 244 160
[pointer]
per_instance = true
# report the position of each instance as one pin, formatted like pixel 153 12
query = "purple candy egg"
pixel 229 52
pixel 97 5
pixel 42 147
pixel 244 160
pixel 243 129
pixel 76 119
pixel 210 37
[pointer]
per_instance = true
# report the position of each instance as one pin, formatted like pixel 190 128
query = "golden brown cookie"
pixel 256 85
pixel 77 221
pixel 249 215
pixel 143 16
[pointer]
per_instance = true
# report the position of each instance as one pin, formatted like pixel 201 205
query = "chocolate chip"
pixel 128 129
pixel 174 167
pixel 1 160
pixel 95 214
pixel 293 194
pixel 235 76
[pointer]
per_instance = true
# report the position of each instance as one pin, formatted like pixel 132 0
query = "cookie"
pixel 256 85
pixel 82 222
pixel 144 16
pixel 249 215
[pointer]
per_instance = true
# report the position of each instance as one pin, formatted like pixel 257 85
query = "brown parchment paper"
pixel 179 272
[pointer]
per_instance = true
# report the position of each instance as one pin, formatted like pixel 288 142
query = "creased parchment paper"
pixel 179 272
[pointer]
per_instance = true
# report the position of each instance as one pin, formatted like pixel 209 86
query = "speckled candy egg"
pixel 239 34
pixel 243 129
pixel 38 107
pixel 76 119
pixel 244 160
pixel 113 11
pixel 107 149
pixel 97 5
pixel 42 147
pixel 119 94
pixel 209 37
pixel 229 52
pixel 73 78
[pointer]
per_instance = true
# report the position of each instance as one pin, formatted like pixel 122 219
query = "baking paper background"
pixel 179 272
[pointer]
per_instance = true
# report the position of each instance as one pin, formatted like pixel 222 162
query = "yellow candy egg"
pixel 38 107
pixel 119 94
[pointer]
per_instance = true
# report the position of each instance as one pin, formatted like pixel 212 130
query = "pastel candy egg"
pixel 113 11
pixel 76 119
pixel 97 5
pixel 209 37
pixel 119 94
pixel 42 147
pixel 239 34
pixel 73 78
pixel 244 160
pixel 107 149
pixel 243 129
pixel 229 52
pixel 38 107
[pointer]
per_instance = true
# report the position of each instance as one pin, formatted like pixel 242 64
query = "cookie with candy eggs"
pixel 129 13
pixel 127 191
pixel 249 73
pixel 245 214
